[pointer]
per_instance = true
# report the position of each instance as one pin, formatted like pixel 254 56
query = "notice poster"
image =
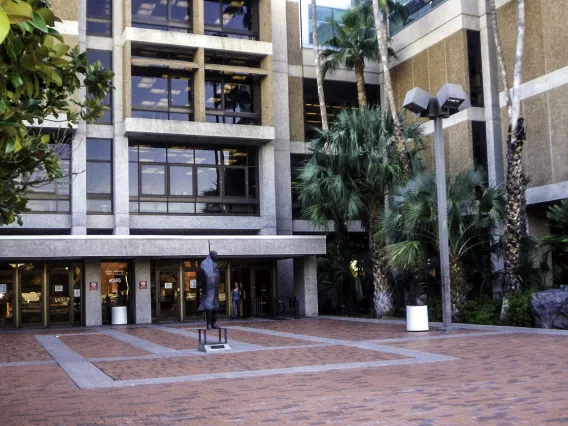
pixel 3 288
pixel 93 286
pixel 77 292
pixel 58 288
pixel 168 285
pixel 143 285
pixel 192 283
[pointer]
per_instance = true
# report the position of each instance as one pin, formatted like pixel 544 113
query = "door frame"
pixel 177 274
pixel 70 304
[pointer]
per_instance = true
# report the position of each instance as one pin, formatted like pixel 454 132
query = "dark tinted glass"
pixel 212 12
pixel 213 94
pixel 104 56
pixel 181 10
pixel 133 179
pixel 150 92
pixel 207 156
pixel 103 29
pixel 149 10
pixel 98 149
pixel 235 157
pixel 235 182
pixel 237 15
pixel 180 92
pixel 99 8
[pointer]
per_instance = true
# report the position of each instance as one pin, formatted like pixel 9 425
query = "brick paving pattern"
pixel 505 379
pixel 264 339
pixel 99 346
pixel 243 361
pixel 21 347
pixel 163 338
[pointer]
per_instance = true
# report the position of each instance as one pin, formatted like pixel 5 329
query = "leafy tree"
pixel 40 79
pixel 351 169
pixel 354 42
pixel 411 225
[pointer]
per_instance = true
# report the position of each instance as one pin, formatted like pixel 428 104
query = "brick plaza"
pixel 310 371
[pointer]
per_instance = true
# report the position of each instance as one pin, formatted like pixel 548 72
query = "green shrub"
pixel 435 309
pixel 519 312
pixel 483 310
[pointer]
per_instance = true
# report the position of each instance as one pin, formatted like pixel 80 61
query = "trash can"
pixel 119 315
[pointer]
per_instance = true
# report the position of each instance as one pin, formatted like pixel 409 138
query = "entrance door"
pixel 191 294
pixel 167 297
pixel 31 308
pixel 263 290
pixel 60 292
pixel 6 299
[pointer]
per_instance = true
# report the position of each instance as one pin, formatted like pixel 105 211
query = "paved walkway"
pixel 311 371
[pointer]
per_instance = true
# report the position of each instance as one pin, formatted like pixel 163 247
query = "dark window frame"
pixel 225 202
pixel 222 115
pixel 153 72
pixel 221 31
pixel 167 24
pixel 102 196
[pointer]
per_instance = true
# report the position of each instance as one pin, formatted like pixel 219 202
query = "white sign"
pixel 3 289
pixel 115 280
pixel 192 283
pixel 168 285
pixel 58 288
pixel 77 292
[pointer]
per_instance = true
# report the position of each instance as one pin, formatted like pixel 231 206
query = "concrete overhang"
pixel 170 39
pixel 197 131
pixel 134 246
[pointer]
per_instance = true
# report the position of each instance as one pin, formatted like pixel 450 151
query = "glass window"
pixel 208 181
pixel 153 180
pixel 229 18
pixel 193 180
pixel 408 11
pixel 99 18
pixel 229 98
pixel 165 15
pixel 99 175
pixel 235 182
pixel 52 197
pixel 105 58
pixel 181 180
pixel 157 95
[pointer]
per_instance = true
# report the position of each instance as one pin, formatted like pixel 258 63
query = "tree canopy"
pixel 41 77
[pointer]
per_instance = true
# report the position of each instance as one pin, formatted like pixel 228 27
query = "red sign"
pixel 143 285
pixel 93 286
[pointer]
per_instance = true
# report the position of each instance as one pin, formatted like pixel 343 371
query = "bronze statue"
pixel 210 279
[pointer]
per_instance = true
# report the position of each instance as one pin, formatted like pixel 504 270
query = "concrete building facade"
pixel 213 105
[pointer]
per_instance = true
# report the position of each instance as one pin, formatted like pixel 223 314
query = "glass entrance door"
pixel 191 293
pixel 59 292
pixel 167 300
pixel 263 290
pixel 31 307
pixel 6 299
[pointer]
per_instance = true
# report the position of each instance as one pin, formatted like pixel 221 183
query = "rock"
pixel 550 308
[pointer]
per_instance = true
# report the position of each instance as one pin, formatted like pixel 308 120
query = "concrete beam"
pixel 199 131
pixel 547 193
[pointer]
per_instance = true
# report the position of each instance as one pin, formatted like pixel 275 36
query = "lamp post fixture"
pixel 450 99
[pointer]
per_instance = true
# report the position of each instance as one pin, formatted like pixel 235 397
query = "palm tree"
pixel 380 14
pixel 351 169
pixel 411 224
pixel 319 77
pixel 516 179
pixel 354 41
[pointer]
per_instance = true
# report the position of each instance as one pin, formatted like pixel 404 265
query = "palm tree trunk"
pixel 360 77
pixel 384 291
pixel 459 288
pixel 515 174
pixel 319 78
pixel 400 143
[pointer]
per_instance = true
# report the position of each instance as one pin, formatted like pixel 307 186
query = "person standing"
pixel 236 296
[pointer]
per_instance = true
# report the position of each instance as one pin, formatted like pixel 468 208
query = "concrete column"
pixel 120 143
pixel 199 86
pixel 306 285
pixel 198 17
pixel 267 190
pixel 79 147
pixel 143 312
pixel 93 300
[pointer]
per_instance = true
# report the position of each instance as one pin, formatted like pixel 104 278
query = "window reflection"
pixel 158 95
pixel 99 18
pixel 229 98
pixel 105 58
pixel 165 15
pixel 231 18
pixel 188 180
pixel 54 196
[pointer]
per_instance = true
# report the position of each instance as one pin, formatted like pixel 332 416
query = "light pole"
pixel 450 99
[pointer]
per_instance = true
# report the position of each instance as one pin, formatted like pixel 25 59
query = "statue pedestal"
pixel 209 346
